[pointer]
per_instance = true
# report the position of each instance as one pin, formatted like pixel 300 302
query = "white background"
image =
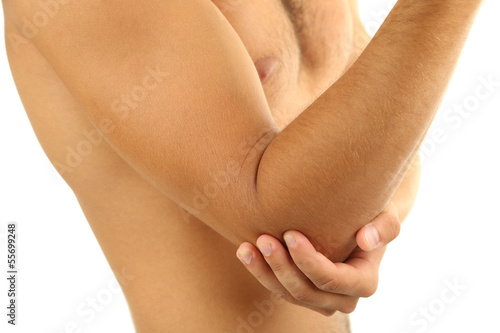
pixel 452 235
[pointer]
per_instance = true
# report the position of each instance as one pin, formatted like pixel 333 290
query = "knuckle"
pixel 285 296
pixel 394 225
pixel 306 264
pixel 390 227
pixel 331 285
pixel 370 290
pixel 300 291
pixel 302 262
pixel 277 267
pixel 294 301
pixel 259 275
pixel 370 284
pixel 302 296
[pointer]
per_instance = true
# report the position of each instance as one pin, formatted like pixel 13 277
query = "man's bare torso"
pixel 181 275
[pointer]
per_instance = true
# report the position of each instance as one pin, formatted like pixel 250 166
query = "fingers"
pixel 381 231
pixel 277 272
pixel 290 276
pixel 258 267
pixel 306 277
pixel 357 277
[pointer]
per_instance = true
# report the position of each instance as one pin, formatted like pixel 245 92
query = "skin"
pixel 132 185
pixel 304 276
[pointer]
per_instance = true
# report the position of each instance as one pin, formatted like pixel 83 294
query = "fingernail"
pixel 372 236
pixel 289 240
pixel 265 249
pixel 245 256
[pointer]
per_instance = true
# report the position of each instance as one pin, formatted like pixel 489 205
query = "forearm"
pixel 342 158
pixel 327 174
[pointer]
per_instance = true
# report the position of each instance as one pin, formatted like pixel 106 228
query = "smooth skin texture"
pixel 304 276
pixel 326 174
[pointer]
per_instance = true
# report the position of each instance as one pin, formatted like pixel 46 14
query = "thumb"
pixel 382 230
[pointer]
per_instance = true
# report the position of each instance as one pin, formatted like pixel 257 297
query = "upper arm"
pixel 174 91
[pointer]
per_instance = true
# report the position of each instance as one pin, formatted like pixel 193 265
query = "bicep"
pixel 174 91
